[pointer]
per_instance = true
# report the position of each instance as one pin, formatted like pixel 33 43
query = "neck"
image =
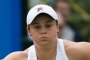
pixel 47 53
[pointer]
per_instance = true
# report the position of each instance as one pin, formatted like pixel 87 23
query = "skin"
pixel 44 30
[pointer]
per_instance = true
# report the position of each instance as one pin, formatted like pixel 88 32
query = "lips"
pixel 43 39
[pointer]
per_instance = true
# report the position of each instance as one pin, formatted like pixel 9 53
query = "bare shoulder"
pixel 19 55
pixel 79 50
pixel 85 48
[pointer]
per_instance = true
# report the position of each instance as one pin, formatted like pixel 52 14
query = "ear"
pixel 57 28
pixel 28 31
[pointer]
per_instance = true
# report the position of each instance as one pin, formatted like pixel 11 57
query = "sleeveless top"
pixel 61 55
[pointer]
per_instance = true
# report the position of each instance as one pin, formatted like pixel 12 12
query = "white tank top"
pixel 61 55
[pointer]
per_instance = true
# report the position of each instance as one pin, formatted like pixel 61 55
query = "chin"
pixel 44 44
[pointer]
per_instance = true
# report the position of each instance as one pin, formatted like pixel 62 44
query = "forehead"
pixel 42 17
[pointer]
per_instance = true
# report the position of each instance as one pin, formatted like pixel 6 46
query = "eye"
pixel 48 25
pixel 37 27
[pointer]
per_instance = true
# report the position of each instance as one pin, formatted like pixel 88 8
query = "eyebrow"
pixel 49 21
pixel 34 23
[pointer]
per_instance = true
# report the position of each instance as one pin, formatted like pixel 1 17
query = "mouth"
pixel 43 39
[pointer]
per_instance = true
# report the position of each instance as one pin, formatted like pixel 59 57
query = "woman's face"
pixel 44 30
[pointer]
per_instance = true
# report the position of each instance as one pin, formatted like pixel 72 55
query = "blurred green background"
pixel 80 16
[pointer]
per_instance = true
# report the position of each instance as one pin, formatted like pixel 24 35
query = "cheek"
pixel 53 32
pixel 34 33
pixel 35 36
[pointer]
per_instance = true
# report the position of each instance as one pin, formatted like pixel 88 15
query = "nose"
pixel 43 30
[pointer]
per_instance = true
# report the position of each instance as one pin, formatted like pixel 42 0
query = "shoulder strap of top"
pixel 32 53
pixel 61 51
